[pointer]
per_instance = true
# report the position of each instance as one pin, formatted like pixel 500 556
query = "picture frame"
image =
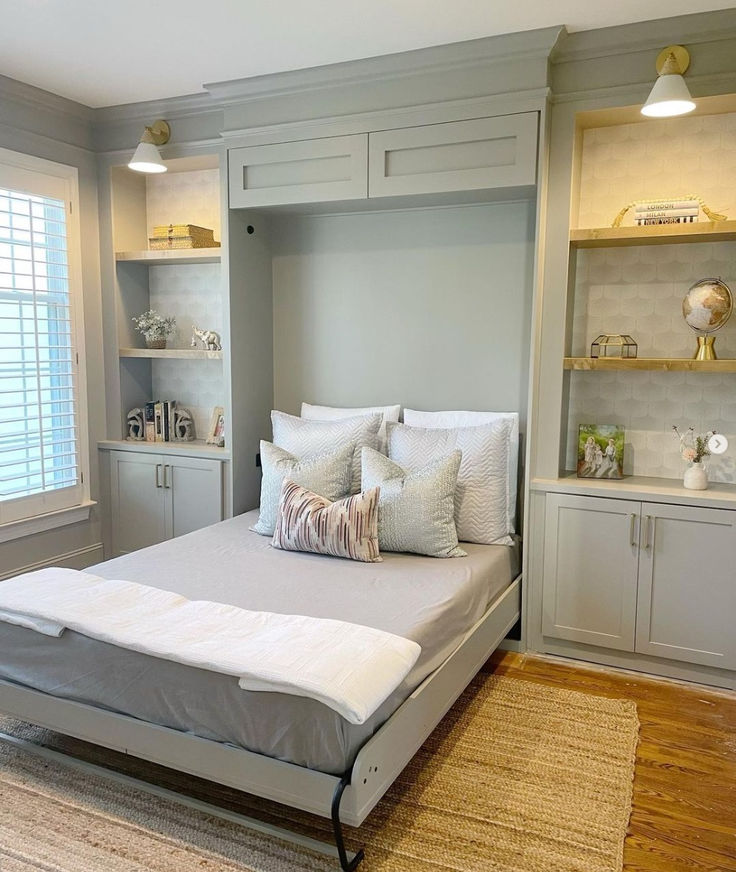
pixel 600 451
pixel 216 430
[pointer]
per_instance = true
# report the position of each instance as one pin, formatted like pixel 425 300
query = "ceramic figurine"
pixel 136 432
pixel 183 425
pixel 209 339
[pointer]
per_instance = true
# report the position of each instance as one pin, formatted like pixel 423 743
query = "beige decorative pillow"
pixel 345 528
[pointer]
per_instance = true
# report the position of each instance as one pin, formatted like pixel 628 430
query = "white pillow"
pixel 302 437
pixel 327 474
pixel 334 413
pixel 433 420
pixel 481 496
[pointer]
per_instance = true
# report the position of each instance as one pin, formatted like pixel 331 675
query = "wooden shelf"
pixel 657 234
pixel 171 256
pixel 661 364
pixel 171 353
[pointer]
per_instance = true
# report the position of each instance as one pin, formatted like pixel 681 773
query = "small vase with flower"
pixel 693 449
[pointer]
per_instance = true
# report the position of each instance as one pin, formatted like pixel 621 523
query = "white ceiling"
pixel 106 52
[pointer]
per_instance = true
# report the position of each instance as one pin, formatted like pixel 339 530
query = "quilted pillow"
pixel 482 497
pixel 453 420
pixel 415 509
pixel 345 528
pixel 327 474
pixel 302 437
pixel 334 413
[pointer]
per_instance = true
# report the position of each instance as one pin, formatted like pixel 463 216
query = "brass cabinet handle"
pixel 158 480
pixel 631 530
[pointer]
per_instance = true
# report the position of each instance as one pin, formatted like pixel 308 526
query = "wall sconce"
pixel 670 95
pixel 147 158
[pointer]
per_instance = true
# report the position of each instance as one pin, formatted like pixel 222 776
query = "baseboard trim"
pixel 79 559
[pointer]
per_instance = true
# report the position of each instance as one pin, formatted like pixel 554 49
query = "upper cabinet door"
pixel 687 585
pixel 309 171
pixel 590 569
pixel 455 156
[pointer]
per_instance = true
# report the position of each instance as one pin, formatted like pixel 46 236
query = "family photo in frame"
pixel 600 451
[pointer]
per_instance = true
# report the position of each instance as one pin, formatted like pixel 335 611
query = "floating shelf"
pixel 172 256
pixel 171 353
pixel 661 364
pixel 657 234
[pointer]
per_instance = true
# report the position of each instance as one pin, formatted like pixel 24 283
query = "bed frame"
pixel 347 799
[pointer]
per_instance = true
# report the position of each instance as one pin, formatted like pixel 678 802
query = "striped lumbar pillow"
pixel 345 528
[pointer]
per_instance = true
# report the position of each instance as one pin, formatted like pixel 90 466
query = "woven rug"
pixel 519 777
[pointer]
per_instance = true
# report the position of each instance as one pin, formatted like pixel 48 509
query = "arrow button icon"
pixel 718 443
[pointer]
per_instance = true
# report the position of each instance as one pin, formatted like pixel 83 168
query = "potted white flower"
pixel 154 327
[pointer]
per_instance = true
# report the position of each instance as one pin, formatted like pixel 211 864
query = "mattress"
pixel 432 601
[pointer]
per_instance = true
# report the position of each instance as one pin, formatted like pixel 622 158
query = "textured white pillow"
pixel 302 437
pixel 481 497
pixel 327 474
pixel 334 413
pixel 434 420
pixel 416 510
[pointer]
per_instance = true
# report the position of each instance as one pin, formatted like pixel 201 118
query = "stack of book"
pixel 682 211
pixel 159 424
pixel 166 236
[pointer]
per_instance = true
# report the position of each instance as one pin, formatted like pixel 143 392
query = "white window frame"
pixel 53 509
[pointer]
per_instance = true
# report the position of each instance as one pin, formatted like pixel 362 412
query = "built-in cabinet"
pixel 155 497
pixel 474 155
pixel 642 577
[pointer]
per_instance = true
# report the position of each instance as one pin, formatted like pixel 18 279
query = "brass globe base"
pixel 705 348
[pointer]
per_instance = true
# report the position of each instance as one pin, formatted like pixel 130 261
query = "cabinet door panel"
pixel 309 171
pixel 138 516
pixel 455 156
pixel 590 570
pixel 687 585
pixel 194 489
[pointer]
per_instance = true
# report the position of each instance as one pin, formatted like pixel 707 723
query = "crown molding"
pixel 170 107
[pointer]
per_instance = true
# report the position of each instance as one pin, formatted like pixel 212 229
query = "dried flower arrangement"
pixel 693 446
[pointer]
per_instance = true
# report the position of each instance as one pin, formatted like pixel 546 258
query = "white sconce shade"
pixel 147 158
pixel 670 95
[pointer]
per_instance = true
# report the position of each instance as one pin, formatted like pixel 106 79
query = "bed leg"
pixel 346 864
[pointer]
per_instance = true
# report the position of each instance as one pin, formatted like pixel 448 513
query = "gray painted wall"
pixel 428 308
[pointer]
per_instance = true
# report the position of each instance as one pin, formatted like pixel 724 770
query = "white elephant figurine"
pixel 136 430
pixel 209 339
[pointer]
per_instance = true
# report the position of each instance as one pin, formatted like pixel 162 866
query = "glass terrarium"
pixel 613 345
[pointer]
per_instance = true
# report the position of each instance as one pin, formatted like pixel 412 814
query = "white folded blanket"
pixel 348 667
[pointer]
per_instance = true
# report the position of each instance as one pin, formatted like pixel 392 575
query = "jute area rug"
pixel 519 777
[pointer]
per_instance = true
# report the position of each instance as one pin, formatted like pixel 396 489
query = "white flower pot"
pixel 695 477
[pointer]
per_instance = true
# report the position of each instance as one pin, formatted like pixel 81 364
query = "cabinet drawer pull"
pixel 166 475
pixel 647 544
pixel 631 530
pixel 158 479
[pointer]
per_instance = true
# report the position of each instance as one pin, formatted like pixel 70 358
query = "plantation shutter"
pixel 39 427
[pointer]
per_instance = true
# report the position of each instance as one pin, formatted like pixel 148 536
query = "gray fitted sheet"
pixel 432 601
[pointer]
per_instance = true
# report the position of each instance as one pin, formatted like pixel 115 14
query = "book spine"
pixel 668 213
pixel 658 205
pixel 158 418
pixel 165 420
pixel 150 423
pixel 645 222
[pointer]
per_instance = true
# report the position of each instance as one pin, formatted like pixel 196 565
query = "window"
pixel 40 464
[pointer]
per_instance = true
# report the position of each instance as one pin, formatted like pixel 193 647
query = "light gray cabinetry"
pixel 158 496
pixel 307 171
pixel 456 156
pixel 647 578
pixel 590 570
pixel 687 585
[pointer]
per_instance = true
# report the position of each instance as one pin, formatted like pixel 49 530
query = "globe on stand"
pixel 706 308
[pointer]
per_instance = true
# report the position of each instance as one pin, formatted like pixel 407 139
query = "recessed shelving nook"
pixel 183 283
pixel 632 280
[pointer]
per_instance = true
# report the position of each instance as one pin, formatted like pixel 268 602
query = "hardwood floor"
pixel 684 812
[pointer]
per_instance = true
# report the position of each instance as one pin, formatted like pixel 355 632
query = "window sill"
pixel 49 521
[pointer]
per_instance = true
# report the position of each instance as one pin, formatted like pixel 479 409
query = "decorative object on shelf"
pixel 154 327
pixel 668 210
pixel 600 451
pixel 670 95
pixel 706 308
pixel 216 433
pixel 183 425
pixel 135 424
pixel 210 339
pixel 694 448
pixel 167 236
pixel 147 157
pixel 613 345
